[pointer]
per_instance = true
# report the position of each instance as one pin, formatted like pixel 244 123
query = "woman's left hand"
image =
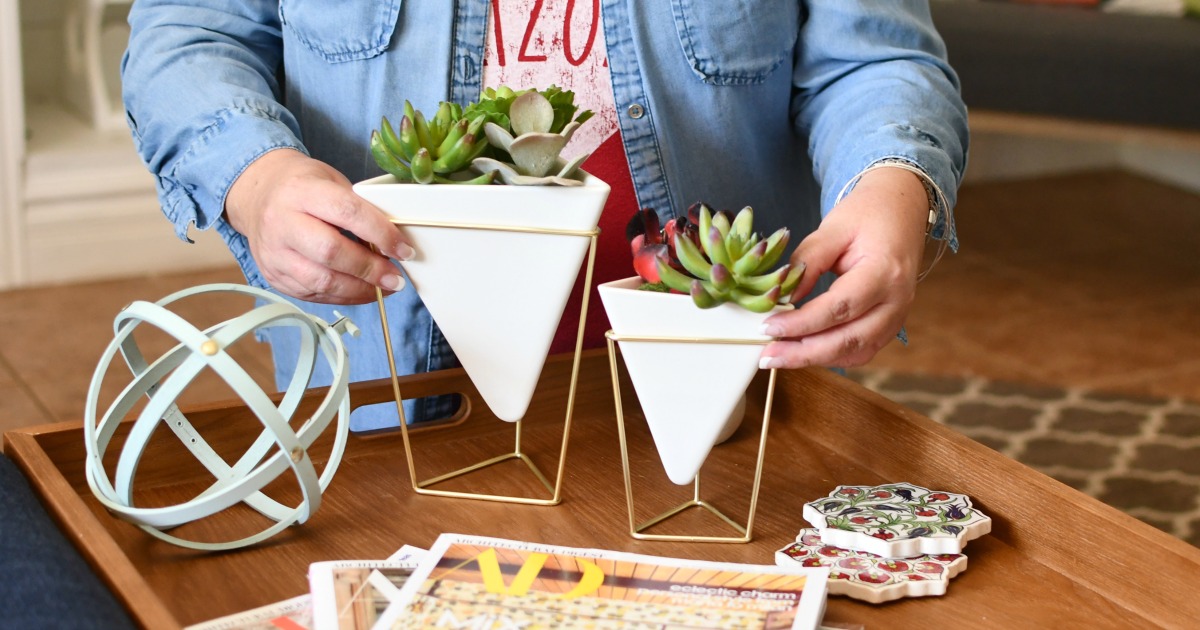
pixel 873 240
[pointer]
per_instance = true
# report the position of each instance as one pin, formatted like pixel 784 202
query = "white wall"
pixel 1177 166
pixel 76 203
pixel 12 147
pixel 1001 156
pixel 1005 147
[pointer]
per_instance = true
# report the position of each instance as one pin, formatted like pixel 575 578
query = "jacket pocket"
pixel 736 42
pixel 341 31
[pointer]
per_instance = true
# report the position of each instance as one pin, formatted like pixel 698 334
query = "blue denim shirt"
pixel 776 104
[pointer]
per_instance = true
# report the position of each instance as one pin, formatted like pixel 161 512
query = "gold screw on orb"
pixel 297 453
pixel 208 348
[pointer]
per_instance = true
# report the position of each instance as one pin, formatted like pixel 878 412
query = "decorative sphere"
pixel 278 447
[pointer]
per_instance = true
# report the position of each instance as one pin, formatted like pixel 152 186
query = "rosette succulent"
pixel 713 258
pixel 516 135
pixel 438 150
pixel 496 103
pixel 536 133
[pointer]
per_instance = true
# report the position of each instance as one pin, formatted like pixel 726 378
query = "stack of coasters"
pixel 885 542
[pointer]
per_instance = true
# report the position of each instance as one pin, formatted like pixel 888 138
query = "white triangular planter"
pixel 687 390
pixel 497 296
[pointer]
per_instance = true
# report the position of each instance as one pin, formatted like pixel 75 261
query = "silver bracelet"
pixel 934 195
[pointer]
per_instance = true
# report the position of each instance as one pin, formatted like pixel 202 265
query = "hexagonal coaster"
pixel 868 577
pixel 896 520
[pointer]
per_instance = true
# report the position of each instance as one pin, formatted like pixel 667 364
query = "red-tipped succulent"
pixel 646 240
pixel 651 242
pixel 713 256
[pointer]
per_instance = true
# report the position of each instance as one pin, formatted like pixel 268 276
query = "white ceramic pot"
pixel 497 296
pixel 689 392
pixel 733 421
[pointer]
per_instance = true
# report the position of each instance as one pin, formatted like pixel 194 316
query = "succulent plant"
pixel 495 104
pixel 713 258
pixel 651 241
pixel 439 150
pixel 536 133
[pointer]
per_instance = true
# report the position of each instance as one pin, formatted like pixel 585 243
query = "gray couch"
pixel 44 582
pixel 1074 62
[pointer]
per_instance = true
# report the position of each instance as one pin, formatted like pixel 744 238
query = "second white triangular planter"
pixel 686 390
pixel 496 295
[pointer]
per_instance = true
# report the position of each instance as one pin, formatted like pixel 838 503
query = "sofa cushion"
pixel 44 582
pixel 1074 62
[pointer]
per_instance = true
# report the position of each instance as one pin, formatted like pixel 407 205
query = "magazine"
pixel 295 613
pixel 407 553
pixel 290 614
pixel 479 582
pixel 354 594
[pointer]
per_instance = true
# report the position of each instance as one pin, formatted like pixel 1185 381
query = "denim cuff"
pixel 194 192
pixel 929 163
pixel 218 155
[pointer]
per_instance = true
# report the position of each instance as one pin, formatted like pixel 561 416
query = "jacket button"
pixel 636 111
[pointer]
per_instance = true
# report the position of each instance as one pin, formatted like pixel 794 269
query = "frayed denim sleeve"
pixel 872 82
pixel 202 101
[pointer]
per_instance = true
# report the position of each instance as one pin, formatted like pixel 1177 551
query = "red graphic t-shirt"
pixel 538 43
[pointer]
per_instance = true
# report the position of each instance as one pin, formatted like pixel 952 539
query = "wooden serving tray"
pixel 1055 557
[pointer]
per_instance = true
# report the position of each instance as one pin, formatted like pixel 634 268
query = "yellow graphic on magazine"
pixel 492 584
pixel 493 577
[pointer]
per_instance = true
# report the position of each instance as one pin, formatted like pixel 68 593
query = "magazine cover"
pixel 353 594
pixel 290 614
pixel 407 553
pixel 478 582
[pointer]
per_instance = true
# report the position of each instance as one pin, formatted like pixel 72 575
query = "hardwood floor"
pixel 1082 280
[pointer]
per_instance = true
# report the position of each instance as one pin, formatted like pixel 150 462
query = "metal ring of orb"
pixel 161 382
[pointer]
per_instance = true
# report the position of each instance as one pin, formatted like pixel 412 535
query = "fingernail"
pixel 768 363
pixel 393 283
pixel 770 330
pixel 405 252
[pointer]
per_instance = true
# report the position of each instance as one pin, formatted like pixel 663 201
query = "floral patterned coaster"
pixel 896 520
pixel 868 577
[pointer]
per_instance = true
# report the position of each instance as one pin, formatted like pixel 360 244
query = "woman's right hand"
pixel 293 211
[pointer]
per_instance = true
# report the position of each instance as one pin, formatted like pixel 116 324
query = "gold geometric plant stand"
pixel 636 530
pixel 555 488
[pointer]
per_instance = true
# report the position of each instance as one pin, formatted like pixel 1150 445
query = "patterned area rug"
pixel 1140 455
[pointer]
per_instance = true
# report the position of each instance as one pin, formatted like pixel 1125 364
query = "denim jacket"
pixel 776 104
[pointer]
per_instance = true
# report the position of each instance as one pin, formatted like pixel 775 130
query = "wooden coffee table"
pixel 1055 557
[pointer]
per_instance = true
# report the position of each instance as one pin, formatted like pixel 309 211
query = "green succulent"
pixel 495 104
pixel 728 262
pixel 538 130
pixel 439 150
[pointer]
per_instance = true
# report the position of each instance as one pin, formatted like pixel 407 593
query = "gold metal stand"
pixel 635 529
pixel 555 489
